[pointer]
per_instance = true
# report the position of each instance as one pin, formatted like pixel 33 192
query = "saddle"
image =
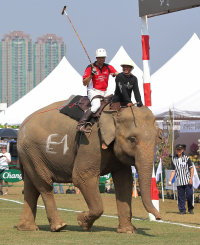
pixel 79 104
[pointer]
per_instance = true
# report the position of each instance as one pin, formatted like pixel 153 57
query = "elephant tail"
pixel 21 168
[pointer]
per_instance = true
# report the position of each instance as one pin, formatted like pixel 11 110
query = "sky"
pixel 106 24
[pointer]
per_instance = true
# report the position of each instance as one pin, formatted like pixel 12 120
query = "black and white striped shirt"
pixel 182 167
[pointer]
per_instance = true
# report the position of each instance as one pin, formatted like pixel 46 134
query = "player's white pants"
pixel 95 104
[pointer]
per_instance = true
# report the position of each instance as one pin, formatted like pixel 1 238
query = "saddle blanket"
pixel 72 109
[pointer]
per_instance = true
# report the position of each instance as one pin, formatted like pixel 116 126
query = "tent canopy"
pixel 188 107
pixel 172 85
pixel 178 114
pixel 177 80
pixel 59 85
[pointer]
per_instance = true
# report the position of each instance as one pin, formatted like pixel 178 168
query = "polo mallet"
pixel 64 12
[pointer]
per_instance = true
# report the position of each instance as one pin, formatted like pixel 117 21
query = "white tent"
pixel 117 60
pixel 177 80
pixel 59 85
pixel 190 103
pixel 187 107
pixel 174 83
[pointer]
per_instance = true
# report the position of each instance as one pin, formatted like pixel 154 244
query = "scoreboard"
pixel 158 7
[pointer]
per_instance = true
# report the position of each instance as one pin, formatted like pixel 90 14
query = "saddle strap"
pixel 105 102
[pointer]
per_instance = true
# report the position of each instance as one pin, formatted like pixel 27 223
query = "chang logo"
pixel 12 175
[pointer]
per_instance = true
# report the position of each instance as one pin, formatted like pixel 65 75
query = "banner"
pixel 190 126
pixel 105 177
pixel 11 175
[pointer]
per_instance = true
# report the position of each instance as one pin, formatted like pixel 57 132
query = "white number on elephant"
pixel 51 143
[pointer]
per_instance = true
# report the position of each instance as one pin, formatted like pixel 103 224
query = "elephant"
pixel 51 150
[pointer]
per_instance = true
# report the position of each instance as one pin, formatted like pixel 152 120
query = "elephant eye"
pixel 132 140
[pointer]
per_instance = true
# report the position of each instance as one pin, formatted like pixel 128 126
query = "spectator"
pixel 5 159
pixel 56 189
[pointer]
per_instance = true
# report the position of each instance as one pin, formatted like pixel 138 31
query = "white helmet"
pixel 101 53
pixel 128 63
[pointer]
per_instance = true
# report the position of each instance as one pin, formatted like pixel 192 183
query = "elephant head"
pixel 135 133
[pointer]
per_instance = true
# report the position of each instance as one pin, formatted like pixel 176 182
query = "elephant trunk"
pixel 145 175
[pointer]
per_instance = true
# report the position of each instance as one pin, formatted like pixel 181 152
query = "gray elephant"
pixel 49 151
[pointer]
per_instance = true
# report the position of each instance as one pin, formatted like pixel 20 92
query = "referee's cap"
pixel 179 146
pixel 184 147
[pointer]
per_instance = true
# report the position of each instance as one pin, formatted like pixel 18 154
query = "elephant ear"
pixel 107 126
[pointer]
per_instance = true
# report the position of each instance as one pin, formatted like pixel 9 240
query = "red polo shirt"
pixel 100 80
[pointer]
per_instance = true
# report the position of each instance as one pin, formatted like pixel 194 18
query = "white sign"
pixel 190 126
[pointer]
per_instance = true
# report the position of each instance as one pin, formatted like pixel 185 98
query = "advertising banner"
pixel 11 175
pixel 190 126
pixel 157 7
pixel 105 177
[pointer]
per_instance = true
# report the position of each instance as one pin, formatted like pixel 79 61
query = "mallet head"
pixel 63 11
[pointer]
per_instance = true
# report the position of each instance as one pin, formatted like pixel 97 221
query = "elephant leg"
pixel 123 182
pixel 27 218
pixel 55 221
pixel 90 190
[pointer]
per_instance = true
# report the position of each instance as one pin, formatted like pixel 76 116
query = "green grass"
pixel 104 229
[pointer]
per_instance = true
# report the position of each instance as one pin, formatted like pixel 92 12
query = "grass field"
pixel 104 229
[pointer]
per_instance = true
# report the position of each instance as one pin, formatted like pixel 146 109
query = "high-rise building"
pixel 0 72
pixel 16 66
pixel 24 64
pixel 49 51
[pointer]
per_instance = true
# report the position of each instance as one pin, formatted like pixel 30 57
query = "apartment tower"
pixel 49 52
pixel 16 66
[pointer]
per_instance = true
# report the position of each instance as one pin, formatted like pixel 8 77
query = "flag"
pixel 154 194
pixel 133 170
pixel 196 181
pixel 159 171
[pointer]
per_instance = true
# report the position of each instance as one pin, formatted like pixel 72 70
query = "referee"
pixel 183 168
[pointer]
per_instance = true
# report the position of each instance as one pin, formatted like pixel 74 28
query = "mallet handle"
pixel 64 12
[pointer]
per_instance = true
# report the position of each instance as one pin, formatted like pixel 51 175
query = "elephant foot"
pixel 127 229
pixel 57 226
pixel 84 222
pixel 27 226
